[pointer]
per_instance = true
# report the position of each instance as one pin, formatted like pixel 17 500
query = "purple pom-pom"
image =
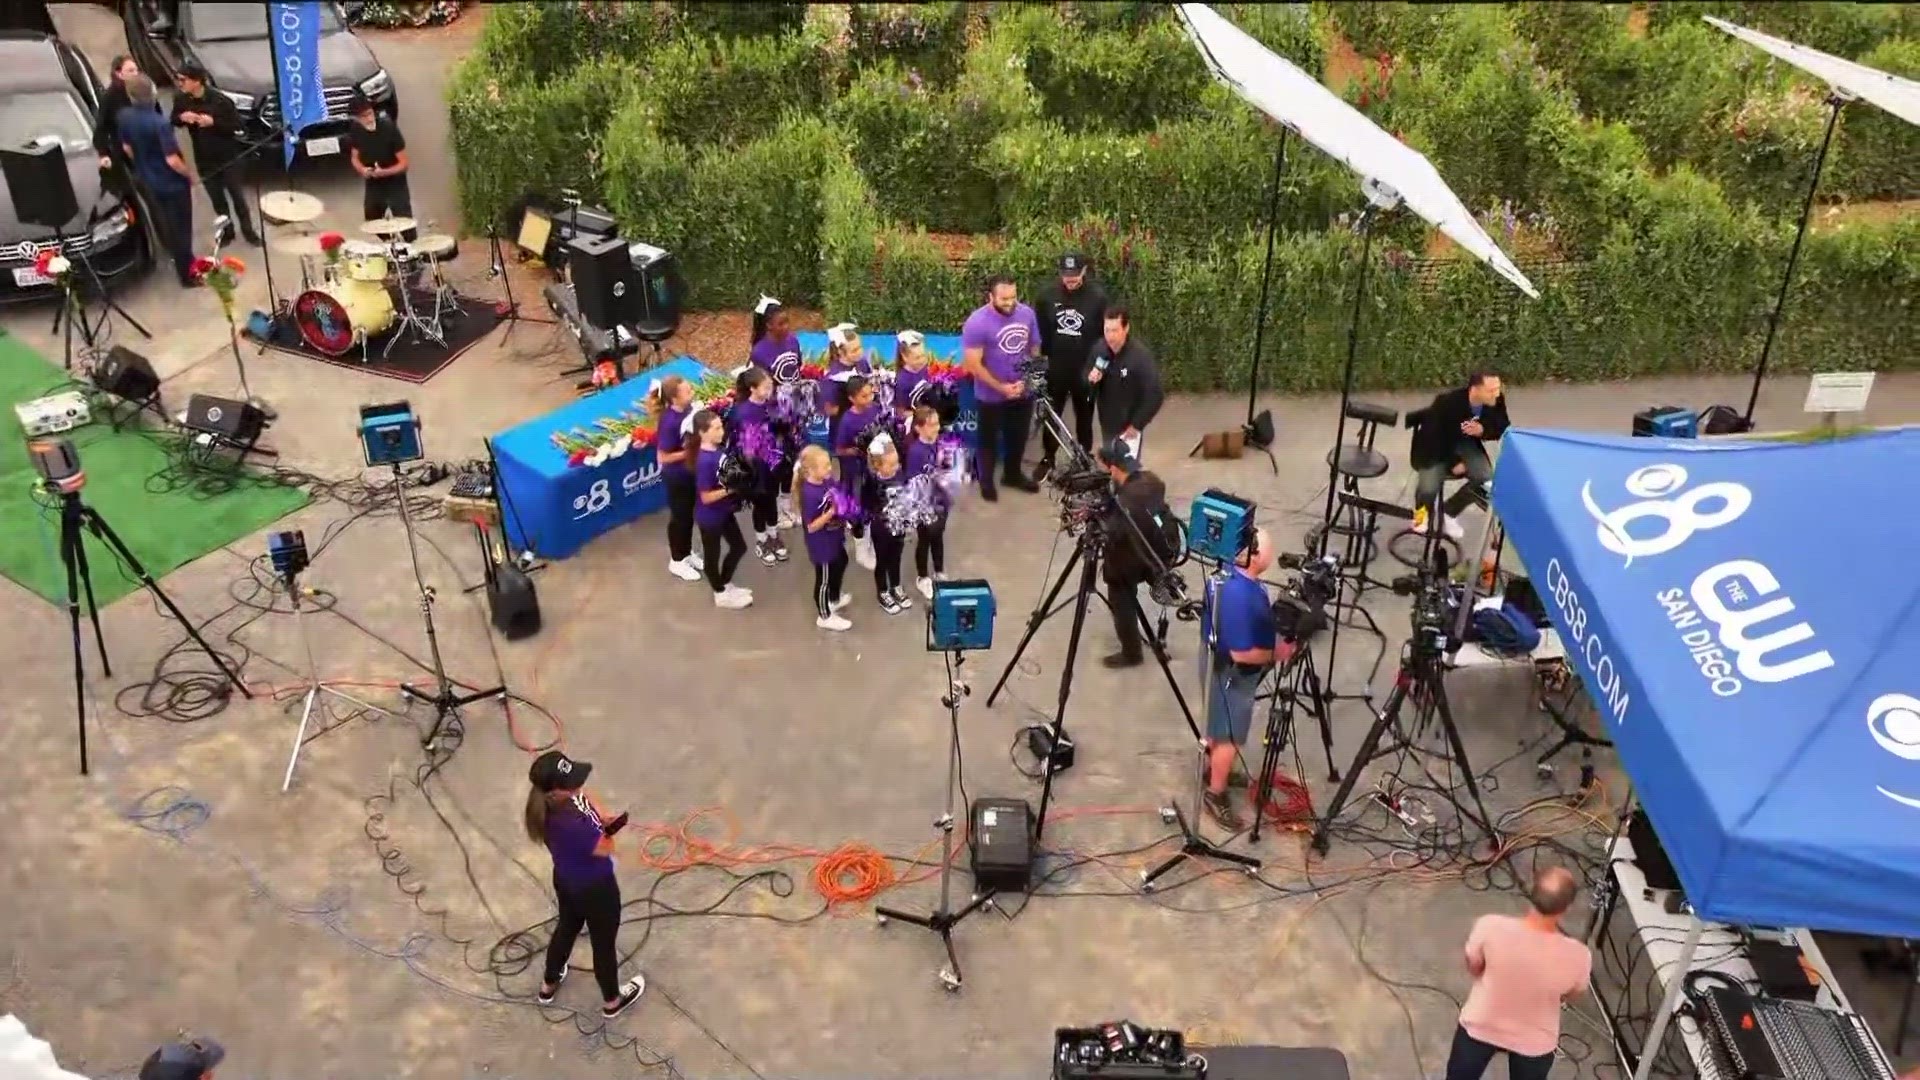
pixel 917 502
pixel 846 506
pixel 757 443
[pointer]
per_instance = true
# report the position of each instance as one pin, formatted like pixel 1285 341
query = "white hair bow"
pixel 839 331
pixel 765 303
pixel 911 337
pixel 653 387
pixel 882 443
pixel 686 425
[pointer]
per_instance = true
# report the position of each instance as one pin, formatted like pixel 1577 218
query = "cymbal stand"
pixel 315 685
pixel 410 317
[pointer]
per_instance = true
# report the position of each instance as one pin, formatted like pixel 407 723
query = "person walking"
pixel 579 835
pixel 1523 968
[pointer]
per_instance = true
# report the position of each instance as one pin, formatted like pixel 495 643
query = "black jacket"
pixel 1070 322
pixel 106 135
pixel 1439 431
pixel 1128 394
pixel 215 146
pixel 1144 499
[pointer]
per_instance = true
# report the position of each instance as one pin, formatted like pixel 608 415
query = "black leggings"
pixel 888 550
pixel 720 570
pixel 680 498
pixel 766 508
pixel 828 579
pixel 596 907
pixel 933 542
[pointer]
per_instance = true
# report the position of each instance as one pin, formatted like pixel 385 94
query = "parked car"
pixel 230 42
pixel 47 90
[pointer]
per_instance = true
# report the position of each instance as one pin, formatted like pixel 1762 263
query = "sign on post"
pixel 1833 392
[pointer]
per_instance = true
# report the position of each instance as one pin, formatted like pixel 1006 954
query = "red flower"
pixel 233 263
pixel 578 457
pixel 201 264
pixel 331 240
pixel 43 260
pixel 812 371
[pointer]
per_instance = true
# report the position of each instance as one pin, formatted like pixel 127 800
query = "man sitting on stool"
pixel 1447 443
pixel 1242 643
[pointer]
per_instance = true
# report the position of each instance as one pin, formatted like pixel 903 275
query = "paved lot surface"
pixel 349 927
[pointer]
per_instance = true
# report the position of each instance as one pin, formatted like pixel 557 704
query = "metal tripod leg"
pixel 315 687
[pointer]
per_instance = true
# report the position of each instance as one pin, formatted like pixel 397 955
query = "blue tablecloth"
pixel 553 508
pixel 884 347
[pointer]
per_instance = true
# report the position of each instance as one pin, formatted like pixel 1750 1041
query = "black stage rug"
pixel 413 359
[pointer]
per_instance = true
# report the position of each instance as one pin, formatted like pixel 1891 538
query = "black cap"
pixel 359 103
pixel 1118 455
pixel 555 771
pixel 183 1061
pixel 1073 262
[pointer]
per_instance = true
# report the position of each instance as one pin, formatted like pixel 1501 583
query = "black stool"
pixel 1355 523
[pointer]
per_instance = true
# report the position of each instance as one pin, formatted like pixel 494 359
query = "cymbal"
pixel 389 226
pixel 292 207
pixel 435 246
pixel 302 246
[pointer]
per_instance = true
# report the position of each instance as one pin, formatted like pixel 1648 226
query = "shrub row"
pixel 728 90
pixel 511 139
pixel 930 39
pixel 1848 30
pixel 538 42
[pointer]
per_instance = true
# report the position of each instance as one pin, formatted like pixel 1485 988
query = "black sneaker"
pixel 900 598
pixel 1221 809
pixel 779 549
pixel 888 605
pixel 766 553
pixel 988 493
pixel 1121 660
pixel 630 992
pixel 1020 483
pixel 1041 470
pixel 545 996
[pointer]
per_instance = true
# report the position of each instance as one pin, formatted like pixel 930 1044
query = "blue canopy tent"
pixel 1746 616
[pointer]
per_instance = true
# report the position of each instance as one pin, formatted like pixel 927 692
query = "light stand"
pixel 1258 435
pixel 315 685
pixel 1836 100
pixel 944 918
pixel 446 704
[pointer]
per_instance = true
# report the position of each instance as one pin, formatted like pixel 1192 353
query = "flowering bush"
pixel 222 275
pixel 607 439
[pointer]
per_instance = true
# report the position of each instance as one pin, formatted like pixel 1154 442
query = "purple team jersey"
pixel 779 357
pixel 830 542
pixel 668 437
pixel 1004 341
pixel 847 437
pixel 906 385
pixel 746 413
pixel 921 457
pixel 573 831
pixel 707 478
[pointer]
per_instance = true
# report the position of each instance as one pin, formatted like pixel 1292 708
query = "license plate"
pixel 26 277
pixel 323 147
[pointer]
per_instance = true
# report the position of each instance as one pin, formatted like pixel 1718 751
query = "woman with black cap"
pixel 579 836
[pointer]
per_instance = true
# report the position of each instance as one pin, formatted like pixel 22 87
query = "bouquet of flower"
pixel 222 275
pixel 714 393
pixel 54 266
pixel 607 439
pixel 944 372
pixel 330 245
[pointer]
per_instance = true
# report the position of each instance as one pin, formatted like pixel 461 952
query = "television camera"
pixel 1089 499
pixel 1300 605
pixel 1435 605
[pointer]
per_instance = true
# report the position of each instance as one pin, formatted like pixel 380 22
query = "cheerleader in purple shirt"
pixel 909 375
pixel 714 511
pixel 923 459
pixel 885 480
pixel 846 358
pixel 668 401
pixel 776 351
pixel 752 392
pixel 861 412
pixel 814 495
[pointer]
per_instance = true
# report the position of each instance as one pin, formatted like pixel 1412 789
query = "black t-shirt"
pixel 379 148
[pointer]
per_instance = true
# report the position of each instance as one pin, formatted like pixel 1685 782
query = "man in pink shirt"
pixel 1523 968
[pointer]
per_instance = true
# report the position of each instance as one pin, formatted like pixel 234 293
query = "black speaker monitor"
pixel 657 315
pixel 603 280
pixel 37 179
pixel 232 421
pixel 513 603
pixel 126 374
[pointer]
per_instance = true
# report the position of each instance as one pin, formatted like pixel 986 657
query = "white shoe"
pixel 694 560
pixel 739 590
pixel 684 569
pixel 833 622
pixel 1453 528
pixel 784 504
pixel 841 603
pixel 863 553
pixel 925 585
pixel 731 599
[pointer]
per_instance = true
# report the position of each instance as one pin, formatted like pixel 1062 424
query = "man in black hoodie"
pixel 1125 380
pixel 1069 310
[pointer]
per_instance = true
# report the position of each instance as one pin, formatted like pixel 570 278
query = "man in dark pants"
pixel 994 342
pixel 213 125
pixel 1142 501
pixel 1448 443
pixel 1069 310
pixel 1524 969
pixel 379 153
pixel 1126 381
pixel 147 139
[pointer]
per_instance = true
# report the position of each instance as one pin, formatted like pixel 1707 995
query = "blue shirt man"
pixel 147 138
pixel 1242 645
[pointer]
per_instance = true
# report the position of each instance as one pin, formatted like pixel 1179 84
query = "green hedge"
pixel 930 39
pixel 923 150
pixel 729 90
pixel 511 139
pixel 1117 79
pixel 539 41
pixel 1377 28
pixel 738 18
pixel 1876 155
pixel 1847 30
pixel 1588 45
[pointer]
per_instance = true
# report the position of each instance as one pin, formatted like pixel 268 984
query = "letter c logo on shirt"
pixel 1013 339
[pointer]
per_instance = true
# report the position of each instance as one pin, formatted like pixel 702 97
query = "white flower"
pixel 58 265
pixel 621 445
pixel 598 457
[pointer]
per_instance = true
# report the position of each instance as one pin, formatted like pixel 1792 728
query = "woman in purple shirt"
pixel 668 400
pixel 994 343
pixel 579 836
pixel 714 509
pixel 776 348
pixel 752 412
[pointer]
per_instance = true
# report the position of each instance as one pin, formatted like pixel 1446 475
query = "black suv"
pixel 47 90
pixel 230 42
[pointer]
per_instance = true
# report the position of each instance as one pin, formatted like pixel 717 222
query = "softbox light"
pixel 1298 101
pixel 1897 95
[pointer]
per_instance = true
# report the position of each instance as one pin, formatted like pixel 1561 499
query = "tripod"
pixel 315 685
pixel 497 267
pixel 73 306
pixel 446 704
pixel 1297 685
pixel 1422 678
pixel 944 918
pixel 74 516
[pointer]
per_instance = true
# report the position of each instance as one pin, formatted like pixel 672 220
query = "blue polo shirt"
pixel 151 137
pixel 1238 616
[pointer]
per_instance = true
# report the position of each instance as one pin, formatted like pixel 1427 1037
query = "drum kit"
pixel 347 297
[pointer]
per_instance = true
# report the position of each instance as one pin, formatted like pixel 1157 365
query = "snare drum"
pixel 363 261
pixel 332 319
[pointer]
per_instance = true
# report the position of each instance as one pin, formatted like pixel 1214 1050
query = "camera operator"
pixel 1141 498
pixel 1448 443
pixel 1125 380
pixel 1068 310
pixel 1242 643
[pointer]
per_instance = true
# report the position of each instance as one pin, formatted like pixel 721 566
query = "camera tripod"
pixel 75 516
pixel 944 918
pixel 316 686
pixel 1421 678
pixel 446 704
pixel 1297 685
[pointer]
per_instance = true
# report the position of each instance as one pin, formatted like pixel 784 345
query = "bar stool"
pixel 1355 521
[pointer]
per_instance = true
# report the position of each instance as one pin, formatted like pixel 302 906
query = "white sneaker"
pixel 1453 528
pixel 738 590
pixel 833 622
pixel 840 604
pixel 863 553
pixel 787 520
pixel 731 599
pixel 684 569
pixel 925 585
pixel 694 560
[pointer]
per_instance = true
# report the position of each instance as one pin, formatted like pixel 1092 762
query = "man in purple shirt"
pixel 995 341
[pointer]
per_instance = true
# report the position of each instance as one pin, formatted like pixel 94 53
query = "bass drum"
pixel 334 318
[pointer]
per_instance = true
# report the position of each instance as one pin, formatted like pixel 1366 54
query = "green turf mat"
pixel 164 531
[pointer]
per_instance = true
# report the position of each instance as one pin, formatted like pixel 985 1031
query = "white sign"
pixel 322 147
pixel 1839 391
pixel 26 277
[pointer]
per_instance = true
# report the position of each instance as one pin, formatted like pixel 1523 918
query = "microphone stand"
pixel 497 267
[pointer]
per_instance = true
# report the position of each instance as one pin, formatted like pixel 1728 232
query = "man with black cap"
pixel 578 834
pixel 379 153
pixel 1138 518
pixel 214 126
pixel 1125 379
pixel 1069 311
pixel 194 1060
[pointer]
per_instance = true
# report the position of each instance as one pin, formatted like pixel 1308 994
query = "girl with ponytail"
pixel 669 401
